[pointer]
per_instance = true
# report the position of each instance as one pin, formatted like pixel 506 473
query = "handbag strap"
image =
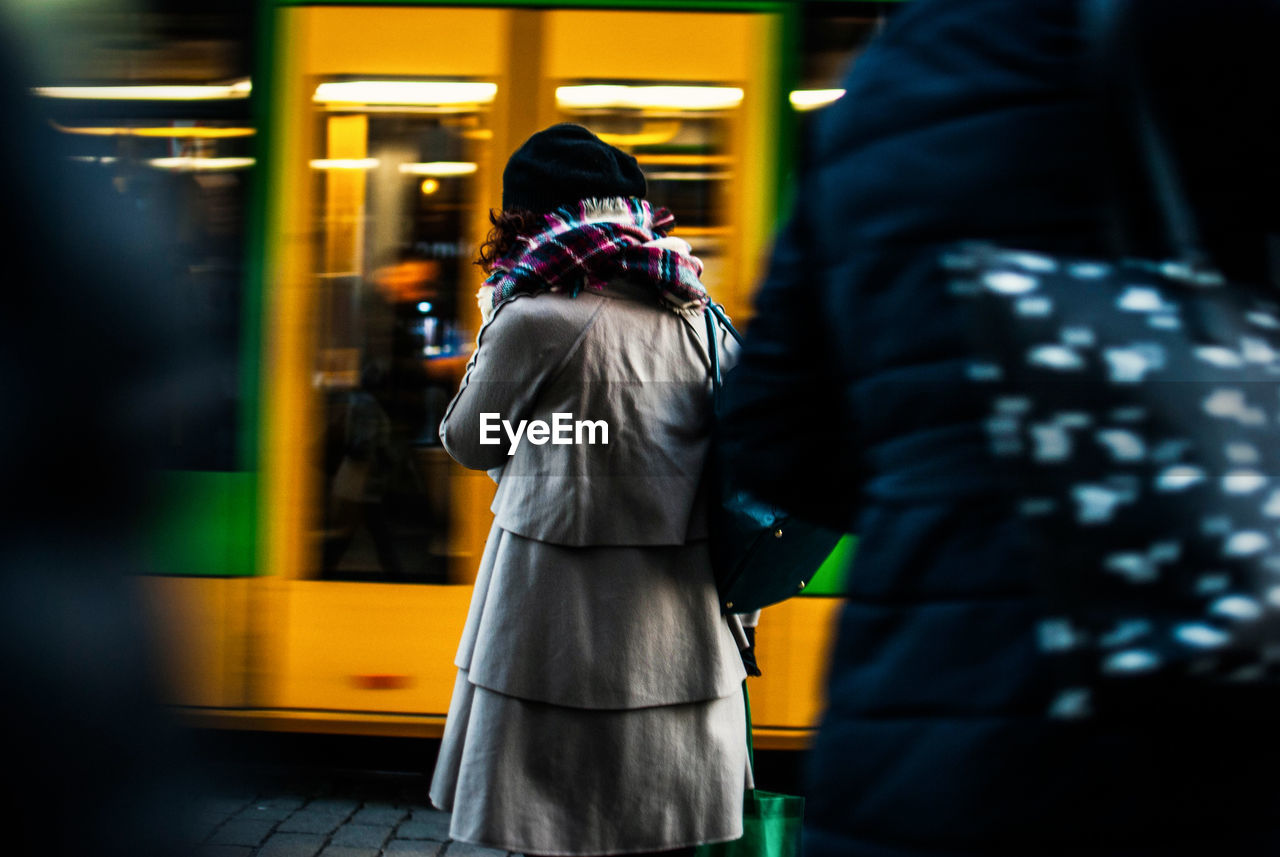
pixel 713 314
pixel 1110 27
pixel 718 312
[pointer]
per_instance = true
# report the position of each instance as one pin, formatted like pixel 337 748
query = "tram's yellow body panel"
pixel 377 659
pixel 383 648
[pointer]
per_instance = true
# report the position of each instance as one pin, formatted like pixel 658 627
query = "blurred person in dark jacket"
pixel 977 120
pixel 88 361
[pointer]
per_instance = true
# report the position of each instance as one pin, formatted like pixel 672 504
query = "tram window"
pixel 139 122
pixel 680 135
pixel 396 187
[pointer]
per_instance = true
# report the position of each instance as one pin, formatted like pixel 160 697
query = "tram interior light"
pixel 690 176
pixel 343 163
pixel 616 96
pixel 201 132
pixel 812 99
pixel 439 169
pixel 433 93
pixel 654 132
pixel 217 92
pixel 192 163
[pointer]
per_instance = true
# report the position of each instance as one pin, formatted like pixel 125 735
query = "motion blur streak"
pixel 90 357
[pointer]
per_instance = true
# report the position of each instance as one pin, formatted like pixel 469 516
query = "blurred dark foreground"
pixel 91 360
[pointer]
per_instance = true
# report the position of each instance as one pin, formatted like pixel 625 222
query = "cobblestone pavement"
pixel 312 796
pixel 333 817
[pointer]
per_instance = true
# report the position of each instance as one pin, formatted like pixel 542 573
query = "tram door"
pixel 390 127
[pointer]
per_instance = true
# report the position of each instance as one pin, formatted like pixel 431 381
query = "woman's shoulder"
pixel 544 314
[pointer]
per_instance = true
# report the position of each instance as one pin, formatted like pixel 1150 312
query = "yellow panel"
pixel 380 40
pixel 390 648
pixel 198 625
pixel 369 647
pixel 757 193
pixel 287 482
pixel 527 101
pixel 472 495
pixel 793 642
pixel 781 739
pixel 668 46
pixel 344 199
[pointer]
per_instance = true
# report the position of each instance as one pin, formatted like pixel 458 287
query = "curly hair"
pixel 508 227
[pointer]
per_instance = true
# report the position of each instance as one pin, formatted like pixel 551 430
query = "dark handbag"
pixel 1134 417
pixel 760 554
pixel 772 823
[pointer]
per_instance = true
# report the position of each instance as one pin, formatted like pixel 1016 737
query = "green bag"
pixel 771 822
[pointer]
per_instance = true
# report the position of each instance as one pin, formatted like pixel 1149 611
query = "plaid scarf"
pixel 593 241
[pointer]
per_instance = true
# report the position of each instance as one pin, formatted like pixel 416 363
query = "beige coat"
pixel 631 621
pixel 616 357
pixel 598 705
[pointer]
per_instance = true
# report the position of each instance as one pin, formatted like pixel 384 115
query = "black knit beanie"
pixel 563 164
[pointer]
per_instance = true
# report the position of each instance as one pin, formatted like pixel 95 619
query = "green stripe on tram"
pixel 830 577
pixel 203 525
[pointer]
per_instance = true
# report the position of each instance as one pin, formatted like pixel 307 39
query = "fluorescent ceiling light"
pixel 812 99
pixel 344 163
pixel 653 132
pixel 439 168
pixel 681 176
pixel 186 163
pixel 416 92
pixel 193 132
pixel 239 89
pixel 654 97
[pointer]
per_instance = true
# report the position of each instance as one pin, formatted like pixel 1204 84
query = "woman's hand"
pixel 749 653
pixel 484 298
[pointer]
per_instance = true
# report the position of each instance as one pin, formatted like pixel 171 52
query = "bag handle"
pixel 751 746
pixel 1109 27
pixel 712 314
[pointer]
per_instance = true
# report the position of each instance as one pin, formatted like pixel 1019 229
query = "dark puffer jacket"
pixel 965 119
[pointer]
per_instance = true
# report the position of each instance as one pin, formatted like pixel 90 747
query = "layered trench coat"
pixel 598 706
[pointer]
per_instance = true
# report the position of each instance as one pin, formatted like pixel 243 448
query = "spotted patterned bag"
pixel 1135 416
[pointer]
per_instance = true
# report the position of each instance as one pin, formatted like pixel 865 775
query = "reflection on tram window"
pixel 197 233
pixel 832 40
pixel 179 151
pixel 396 187
pixel 680 135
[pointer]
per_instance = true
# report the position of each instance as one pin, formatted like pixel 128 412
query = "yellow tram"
pixel 316 577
